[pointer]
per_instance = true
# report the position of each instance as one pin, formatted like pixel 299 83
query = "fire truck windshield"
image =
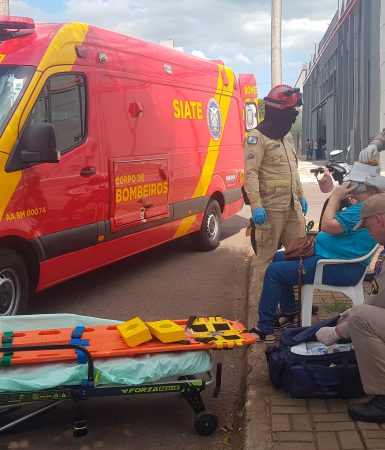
pixel 13 82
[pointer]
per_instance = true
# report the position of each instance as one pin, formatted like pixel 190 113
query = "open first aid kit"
pixel 306 368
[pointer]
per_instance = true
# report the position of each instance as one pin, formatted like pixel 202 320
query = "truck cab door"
pixel 61 200
pixel 139 191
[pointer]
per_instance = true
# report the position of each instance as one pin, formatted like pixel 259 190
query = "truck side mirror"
pixel 251 116
pixel 39 144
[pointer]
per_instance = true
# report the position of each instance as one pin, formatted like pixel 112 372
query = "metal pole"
pixel 276 63
pixel 4 7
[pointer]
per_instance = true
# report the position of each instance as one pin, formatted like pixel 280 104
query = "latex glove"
pixel 367 153
pixel 259 215
pixel 304 205
pixel 327 335
pixel 378 181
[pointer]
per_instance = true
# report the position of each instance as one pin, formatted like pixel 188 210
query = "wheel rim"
pixel 212 226
pixel 10 291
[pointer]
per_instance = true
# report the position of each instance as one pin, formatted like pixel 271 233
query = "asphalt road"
pixel 169 282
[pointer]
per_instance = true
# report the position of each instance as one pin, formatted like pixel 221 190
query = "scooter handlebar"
pixel 317 171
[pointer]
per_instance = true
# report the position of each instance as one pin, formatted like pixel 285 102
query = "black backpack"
pixel 334 375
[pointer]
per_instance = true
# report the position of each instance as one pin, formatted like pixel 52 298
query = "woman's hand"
pixel 329 222
pixel 342 191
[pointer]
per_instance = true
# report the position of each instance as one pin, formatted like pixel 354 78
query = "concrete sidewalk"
pixel 274 421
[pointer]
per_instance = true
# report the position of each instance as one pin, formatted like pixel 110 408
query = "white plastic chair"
pixel 356 293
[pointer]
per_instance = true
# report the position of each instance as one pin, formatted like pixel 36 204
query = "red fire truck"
pixel 109 145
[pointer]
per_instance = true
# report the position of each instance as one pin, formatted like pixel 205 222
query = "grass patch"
pixel 337 307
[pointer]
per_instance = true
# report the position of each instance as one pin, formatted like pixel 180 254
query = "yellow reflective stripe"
pixel 277 183
pixel 8 183
pixel 56 54
pixel 70 34
pixel 213 147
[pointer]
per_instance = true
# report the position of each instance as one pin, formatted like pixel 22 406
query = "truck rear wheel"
pixel 207 238
pixel 14 283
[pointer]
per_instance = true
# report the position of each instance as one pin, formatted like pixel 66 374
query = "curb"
pixel 257 426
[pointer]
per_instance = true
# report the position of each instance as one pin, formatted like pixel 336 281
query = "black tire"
pixel 205 423
pixel 14 283
pixel 207 238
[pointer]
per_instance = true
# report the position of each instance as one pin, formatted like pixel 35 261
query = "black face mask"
pixel 277 123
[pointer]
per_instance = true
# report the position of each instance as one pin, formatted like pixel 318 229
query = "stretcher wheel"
pixel 80 428
pixel 206 423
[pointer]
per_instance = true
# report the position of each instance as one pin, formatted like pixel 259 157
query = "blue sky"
pixel 237 32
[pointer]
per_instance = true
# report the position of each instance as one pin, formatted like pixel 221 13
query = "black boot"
pixel 371 411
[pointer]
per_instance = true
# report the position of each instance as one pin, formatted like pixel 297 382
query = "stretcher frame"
pixel 188 386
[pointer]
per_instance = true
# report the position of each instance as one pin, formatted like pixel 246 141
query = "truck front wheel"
pixel 14 283
pixel 207 238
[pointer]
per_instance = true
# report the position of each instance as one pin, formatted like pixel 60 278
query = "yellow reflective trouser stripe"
pixel 277 183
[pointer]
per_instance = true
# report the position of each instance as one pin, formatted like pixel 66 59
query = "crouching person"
pixel 365 324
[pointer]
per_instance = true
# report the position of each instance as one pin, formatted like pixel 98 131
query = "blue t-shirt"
pixel 348 245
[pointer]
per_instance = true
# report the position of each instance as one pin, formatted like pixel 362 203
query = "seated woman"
pixel 336 240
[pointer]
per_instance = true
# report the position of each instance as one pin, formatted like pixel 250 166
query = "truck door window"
pixel 13 82
pixel 62 102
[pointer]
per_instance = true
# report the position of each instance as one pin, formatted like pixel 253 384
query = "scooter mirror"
pixel 335 153
pixel 348 153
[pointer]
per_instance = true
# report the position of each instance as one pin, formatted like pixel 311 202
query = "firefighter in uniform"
pixel 272 181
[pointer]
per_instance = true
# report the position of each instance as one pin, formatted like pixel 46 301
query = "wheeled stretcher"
pixel 47 385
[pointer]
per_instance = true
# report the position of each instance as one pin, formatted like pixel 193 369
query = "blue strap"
pixel 76 338
pixel 78 332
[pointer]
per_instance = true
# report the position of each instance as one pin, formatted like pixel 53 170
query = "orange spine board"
pixel 106 342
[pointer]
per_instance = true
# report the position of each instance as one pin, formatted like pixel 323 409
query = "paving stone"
pixel 287 401
pixel 368 426
pixel 374 434
pixel 327 440
pixel 318 406
pixel 337 405
pixel 293 436
pixel 334 426
pixel 350 440
pixel 288 410
pixel 329 417
pixel 377 444
pixel 301 422
pixel 293 446
pixel 280 422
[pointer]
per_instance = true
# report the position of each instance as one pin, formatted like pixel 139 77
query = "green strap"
pixel 6 341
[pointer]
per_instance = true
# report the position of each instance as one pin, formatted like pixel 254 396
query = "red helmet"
pixel 283 97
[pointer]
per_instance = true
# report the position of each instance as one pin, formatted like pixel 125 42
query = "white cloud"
pixel 243 58
pixel 199 54
pixel 22 8
pixel 237 32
